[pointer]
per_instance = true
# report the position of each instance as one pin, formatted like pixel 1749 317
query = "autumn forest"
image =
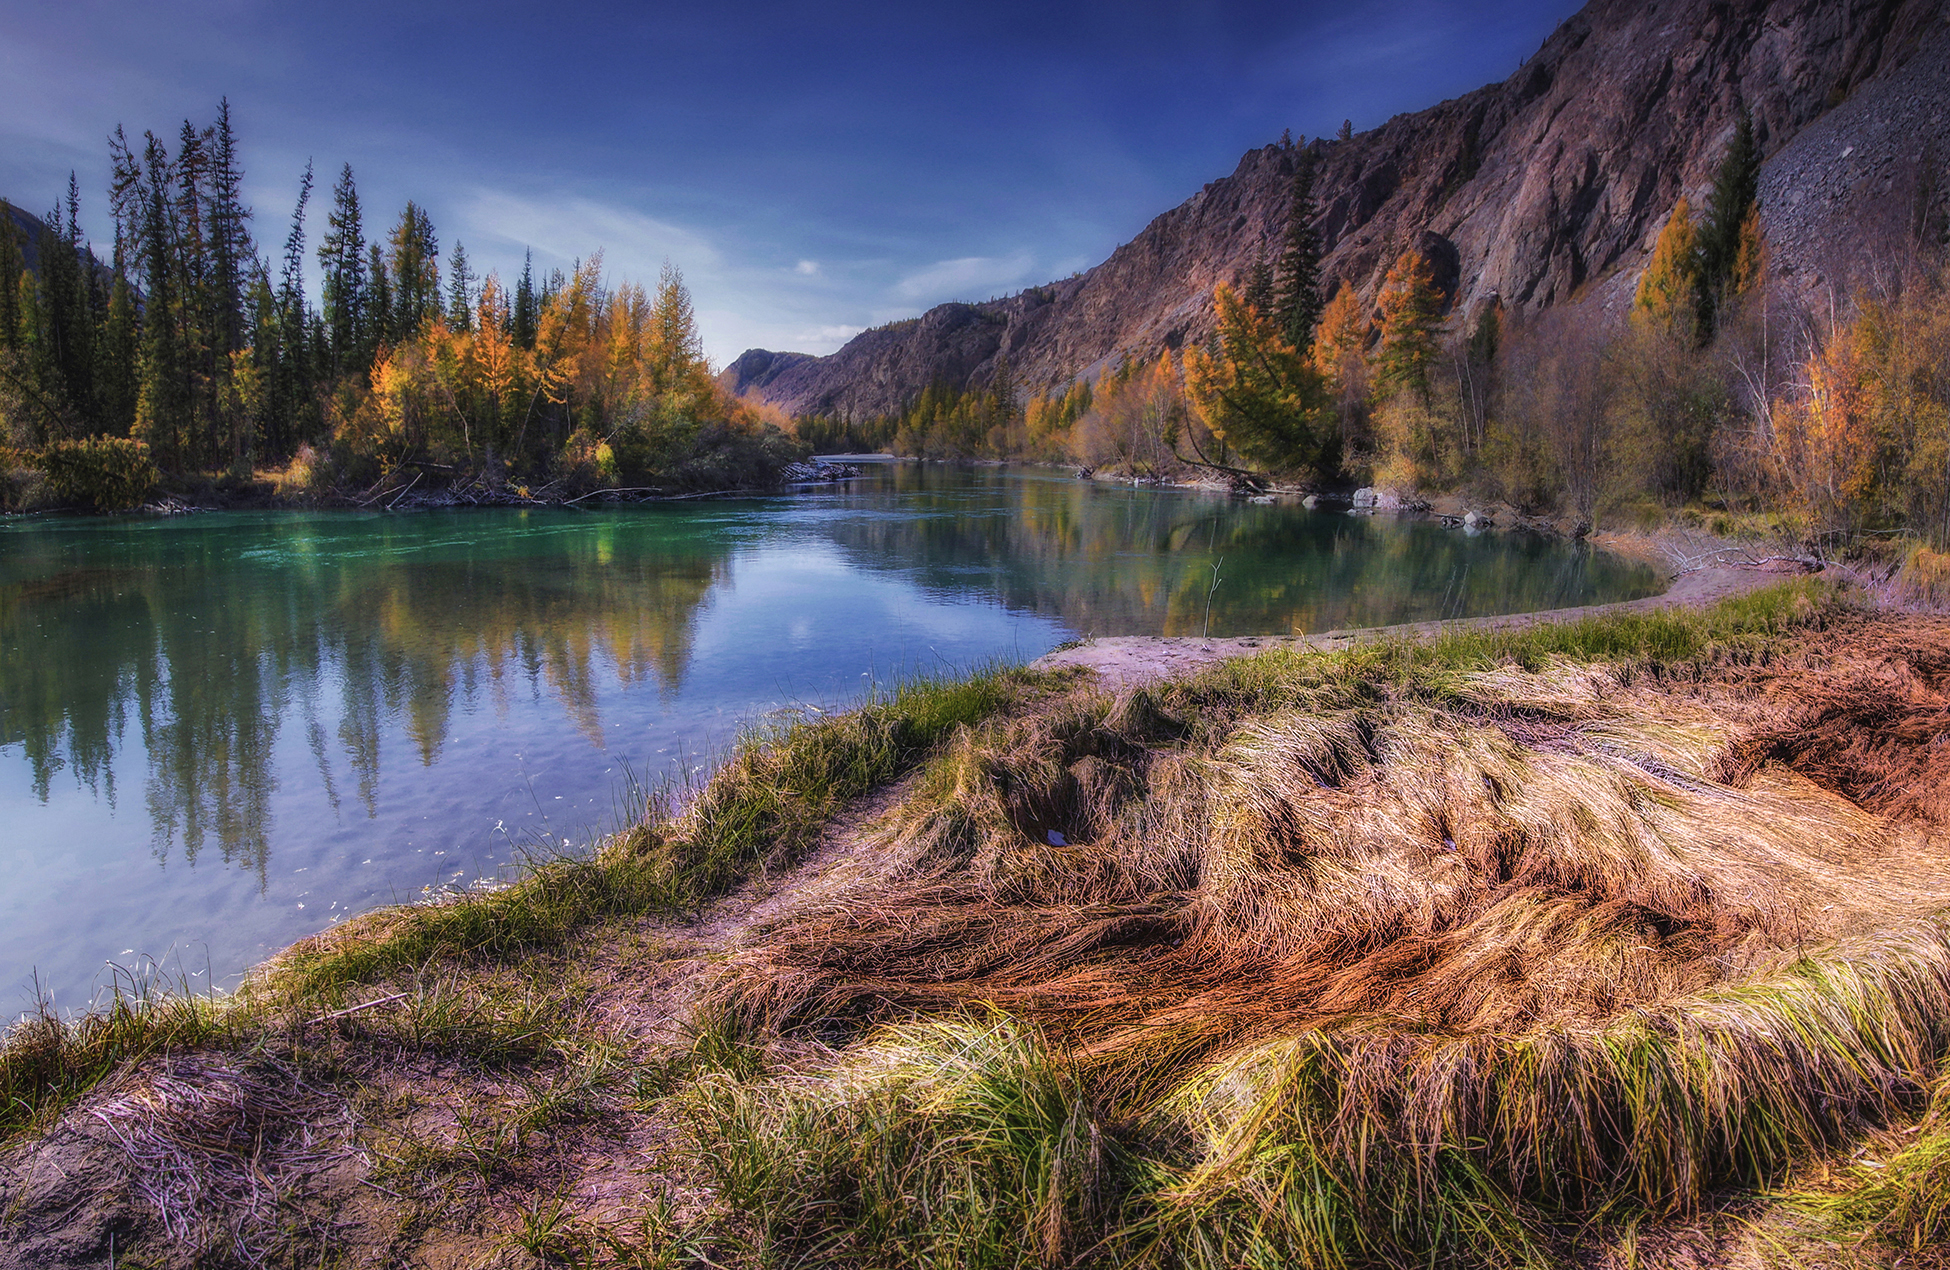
pixel 193 354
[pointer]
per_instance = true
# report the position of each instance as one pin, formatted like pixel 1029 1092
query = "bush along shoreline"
pixel 1582 943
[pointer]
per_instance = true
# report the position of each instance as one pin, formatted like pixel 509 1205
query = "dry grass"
pixel 1398 957
pixel 1542 847
pixel 217 1149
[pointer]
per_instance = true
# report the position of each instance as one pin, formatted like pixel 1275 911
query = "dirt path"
pixel 653 986
pixel 1122 660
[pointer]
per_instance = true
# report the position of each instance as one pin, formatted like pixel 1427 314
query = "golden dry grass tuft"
pixel 1387 956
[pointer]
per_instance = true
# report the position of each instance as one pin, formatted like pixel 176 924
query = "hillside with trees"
pixel 193 362
pixel 1686 259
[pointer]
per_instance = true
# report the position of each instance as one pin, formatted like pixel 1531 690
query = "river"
pixel 222 732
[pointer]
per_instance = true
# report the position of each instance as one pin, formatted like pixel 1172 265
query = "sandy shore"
pixel 1128 659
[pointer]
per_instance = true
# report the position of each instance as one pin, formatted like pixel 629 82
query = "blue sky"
pixel 813 170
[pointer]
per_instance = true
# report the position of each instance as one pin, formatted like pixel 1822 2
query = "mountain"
pixel 1548 188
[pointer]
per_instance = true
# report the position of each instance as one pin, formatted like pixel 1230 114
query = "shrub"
pixel 100 473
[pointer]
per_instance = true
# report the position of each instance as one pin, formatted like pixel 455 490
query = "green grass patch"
pixel 1663 641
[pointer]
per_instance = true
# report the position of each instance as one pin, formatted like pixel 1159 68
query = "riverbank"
pixel 1126 660
pixel 1614 940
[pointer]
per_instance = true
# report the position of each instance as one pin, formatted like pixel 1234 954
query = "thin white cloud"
pixel 633 245
pixel 969 278
pixel 808 268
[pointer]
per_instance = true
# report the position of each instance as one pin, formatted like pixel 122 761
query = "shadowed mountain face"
pixel 1547 188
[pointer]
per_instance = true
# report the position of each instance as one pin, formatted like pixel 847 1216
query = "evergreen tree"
pixel 414 262
pixel 342 257
pixel 1259 284
pixel 523 317
pixel 64 321
pixel 197 305
pixel 285 356
pixel 13 263
pixel 1001 404
pixel 163 405
pixel 379 299
pixel 118 355
pixel 231 250
pixel 1736 187
pixel 460 290
pixel 1297 300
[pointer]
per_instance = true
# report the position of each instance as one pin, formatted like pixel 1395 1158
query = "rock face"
pixel 1545 189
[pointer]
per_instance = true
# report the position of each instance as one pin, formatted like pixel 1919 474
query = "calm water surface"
pixel 221 733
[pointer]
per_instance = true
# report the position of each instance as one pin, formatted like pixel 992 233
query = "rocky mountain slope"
pixel 1544 189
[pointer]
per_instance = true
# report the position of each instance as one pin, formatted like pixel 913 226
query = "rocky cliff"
pixel 1544 189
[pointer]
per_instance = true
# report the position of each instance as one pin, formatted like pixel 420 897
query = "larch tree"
pixel 1410 310
pixel 1260 395
pixel 1667 287
pixel 1340 354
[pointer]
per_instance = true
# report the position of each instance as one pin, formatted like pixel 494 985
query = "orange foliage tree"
pixel 1259 394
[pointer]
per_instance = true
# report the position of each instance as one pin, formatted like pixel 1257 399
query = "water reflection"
pixel 1116 561
pixel 210 637
pixel 342 708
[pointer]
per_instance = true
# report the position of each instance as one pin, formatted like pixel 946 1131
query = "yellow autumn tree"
pixel 1418 444
pixel 1341 357
pixel 1134 415
pixel 1750 259
pixel 1259 394
pixel 1665 291
pixel 1410 312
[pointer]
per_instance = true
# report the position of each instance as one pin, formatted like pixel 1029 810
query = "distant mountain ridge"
pixel 1544 189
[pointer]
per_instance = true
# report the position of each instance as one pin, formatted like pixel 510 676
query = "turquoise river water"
pixel 222 732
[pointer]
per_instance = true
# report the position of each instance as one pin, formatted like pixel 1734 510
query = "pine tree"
pixel 1347 130
pixel 118 355
pixel 281 346
pixel 1297 299
pixel 523 317
pixel 163 406
pixel 13 263
pixel 384 322
pixel 64 361
pixel 1259 284
pixel 231 249
pixel 342 257
pixel 460 290
pixel 197 306
pixel 413 259
pixel 1736 187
